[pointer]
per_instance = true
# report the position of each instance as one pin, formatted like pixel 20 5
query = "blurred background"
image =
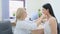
pixel 8 8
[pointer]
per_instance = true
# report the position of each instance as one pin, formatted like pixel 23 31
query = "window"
pixel 13 6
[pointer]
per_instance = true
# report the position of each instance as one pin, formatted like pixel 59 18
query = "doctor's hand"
pixel 42 17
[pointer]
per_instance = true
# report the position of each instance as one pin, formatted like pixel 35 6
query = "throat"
pixel 48 17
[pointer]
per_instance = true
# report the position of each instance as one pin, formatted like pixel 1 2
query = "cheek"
pixel 44 12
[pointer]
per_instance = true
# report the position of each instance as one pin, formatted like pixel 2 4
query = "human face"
pixel 45 11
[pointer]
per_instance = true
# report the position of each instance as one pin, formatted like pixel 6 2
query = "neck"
pixel 48 16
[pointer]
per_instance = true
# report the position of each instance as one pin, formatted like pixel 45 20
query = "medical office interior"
pixel 8 9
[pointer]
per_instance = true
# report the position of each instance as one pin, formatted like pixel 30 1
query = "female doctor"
pixel 24 26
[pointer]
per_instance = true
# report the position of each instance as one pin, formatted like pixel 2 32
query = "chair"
pixel 58 28
pixel 5 27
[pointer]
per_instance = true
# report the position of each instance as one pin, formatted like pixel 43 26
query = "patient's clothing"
pixel 47 28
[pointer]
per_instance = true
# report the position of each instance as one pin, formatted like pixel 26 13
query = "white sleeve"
pixel 26 25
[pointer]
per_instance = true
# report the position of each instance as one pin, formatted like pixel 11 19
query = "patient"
pixel 50 23
pixel 50 26
pixel 49 20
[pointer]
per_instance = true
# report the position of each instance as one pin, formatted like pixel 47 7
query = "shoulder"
pixel 52 20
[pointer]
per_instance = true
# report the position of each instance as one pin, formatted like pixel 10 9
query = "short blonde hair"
pixel 19 13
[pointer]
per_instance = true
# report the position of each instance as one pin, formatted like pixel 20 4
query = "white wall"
pixel 0 10
pixel 56 7
pixel 34 5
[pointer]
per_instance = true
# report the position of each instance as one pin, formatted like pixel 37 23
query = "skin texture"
pixel 53 25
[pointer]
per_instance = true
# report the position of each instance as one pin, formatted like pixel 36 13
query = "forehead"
pixel 44 9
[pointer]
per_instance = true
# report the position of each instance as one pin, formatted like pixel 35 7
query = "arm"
pixel 26 25
pixel 29 25
pixel 53 25
pixel 39 20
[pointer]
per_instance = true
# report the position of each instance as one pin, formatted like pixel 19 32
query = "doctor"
pixel 24 26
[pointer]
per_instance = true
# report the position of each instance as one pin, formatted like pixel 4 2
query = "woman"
pixel 23 26
pixel 50 25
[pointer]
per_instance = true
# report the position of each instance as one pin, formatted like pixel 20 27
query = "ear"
pixel 48 10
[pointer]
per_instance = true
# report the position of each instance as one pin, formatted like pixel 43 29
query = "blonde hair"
pixel 20 12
